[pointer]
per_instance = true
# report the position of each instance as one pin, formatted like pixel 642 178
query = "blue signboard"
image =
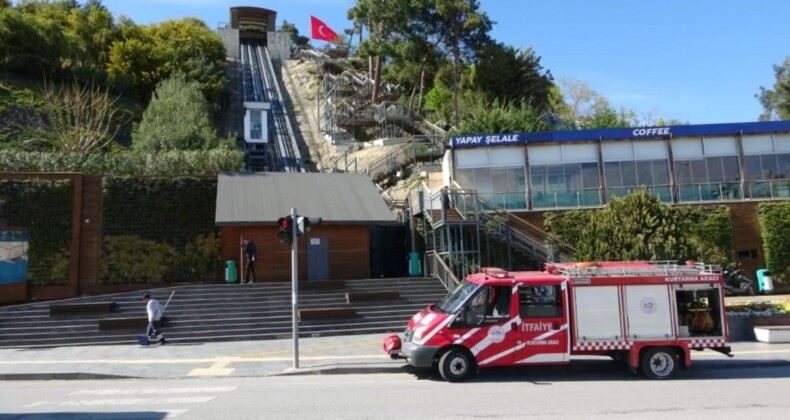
pixel 13 256
pixel 633 133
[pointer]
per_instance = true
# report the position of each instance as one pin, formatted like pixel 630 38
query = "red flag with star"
pixel 321 31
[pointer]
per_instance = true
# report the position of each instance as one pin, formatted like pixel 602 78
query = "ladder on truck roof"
pixel 637 268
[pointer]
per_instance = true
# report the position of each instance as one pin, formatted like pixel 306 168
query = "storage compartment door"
pixel 597 312
pixel 648 312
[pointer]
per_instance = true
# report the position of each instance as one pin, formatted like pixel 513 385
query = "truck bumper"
pixel 419 356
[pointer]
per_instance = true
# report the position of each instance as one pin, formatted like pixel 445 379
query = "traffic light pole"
pixel 295 287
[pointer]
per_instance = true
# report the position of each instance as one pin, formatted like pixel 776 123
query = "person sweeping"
pixel 154 309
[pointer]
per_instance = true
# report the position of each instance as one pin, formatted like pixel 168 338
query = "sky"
pixel 695 61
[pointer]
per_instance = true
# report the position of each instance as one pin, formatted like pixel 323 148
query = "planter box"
pixel 773 333
pixel 742 327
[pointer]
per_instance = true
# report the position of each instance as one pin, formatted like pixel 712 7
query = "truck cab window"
pixel 540 301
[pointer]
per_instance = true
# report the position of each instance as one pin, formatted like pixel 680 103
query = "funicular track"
pixel 259 84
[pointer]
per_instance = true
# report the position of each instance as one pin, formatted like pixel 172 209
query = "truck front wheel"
pixel 659 363
pixel 455 365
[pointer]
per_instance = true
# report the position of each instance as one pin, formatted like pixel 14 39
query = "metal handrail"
pixel 655 268
pixel 529 235
pixel 437 267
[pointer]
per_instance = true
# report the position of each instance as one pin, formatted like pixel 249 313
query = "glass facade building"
pixel 586 168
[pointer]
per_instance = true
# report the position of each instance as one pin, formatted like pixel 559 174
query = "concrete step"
pixel 222 312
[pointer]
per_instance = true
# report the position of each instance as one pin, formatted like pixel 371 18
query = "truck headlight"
pixel 416 335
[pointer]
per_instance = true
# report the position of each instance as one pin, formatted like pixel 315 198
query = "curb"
pixel 345 370
pixel 63 376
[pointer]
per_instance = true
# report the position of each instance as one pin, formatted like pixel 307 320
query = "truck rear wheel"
pixel 659 363
pixel 455 365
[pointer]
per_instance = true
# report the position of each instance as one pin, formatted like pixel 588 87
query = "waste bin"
pixel 230 271
pixel 765 282
pixel 414 264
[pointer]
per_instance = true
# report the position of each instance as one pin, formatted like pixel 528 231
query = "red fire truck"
pixel 651 315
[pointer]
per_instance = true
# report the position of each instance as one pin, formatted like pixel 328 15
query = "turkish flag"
pixel 321 31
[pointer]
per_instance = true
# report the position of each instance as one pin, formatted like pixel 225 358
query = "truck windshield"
pixel 452 302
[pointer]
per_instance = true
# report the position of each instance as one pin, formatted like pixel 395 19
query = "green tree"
pixel 776 101
pixel 145 55
pixel 31 43
pixel 462 29
pixel 507 118
pixel 709 231
pixel 637 227
pixel 512 75
pixel 91 30
pixel 297 41
pixel 439 99
pixel 385 20
pixel 177 118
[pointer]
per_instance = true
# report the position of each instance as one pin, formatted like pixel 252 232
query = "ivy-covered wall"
pixel 774 227
pixel 44 208
pixel 159 230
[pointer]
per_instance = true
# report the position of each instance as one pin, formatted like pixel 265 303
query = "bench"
pixel 319 314
pixel 133 323
pixel 81 308
pixel 321 285
pixel 371 296
pixel 772 333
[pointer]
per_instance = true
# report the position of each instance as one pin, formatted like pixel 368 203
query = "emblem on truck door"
pixel 496 334
pixel 648 305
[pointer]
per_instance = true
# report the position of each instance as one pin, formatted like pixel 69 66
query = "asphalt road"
pixel 587 389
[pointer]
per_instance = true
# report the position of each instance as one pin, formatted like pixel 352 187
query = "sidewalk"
pixel 320 355
pixel 339 354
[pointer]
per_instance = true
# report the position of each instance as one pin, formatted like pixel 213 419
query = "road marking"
pixel 742 353
pixel 217 369
pixel 123 401
pixel 159 391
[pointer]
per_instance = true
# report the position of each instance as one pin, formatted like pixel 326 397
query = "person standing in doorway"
pixel 154 309
pixel 250 255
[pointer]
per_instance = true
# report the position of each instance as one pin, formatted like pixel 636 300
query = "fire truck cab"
pixel 651 315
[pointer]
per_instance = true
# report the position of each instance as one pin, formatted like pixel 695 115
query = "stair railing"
pixel 524 234
pixel 438 268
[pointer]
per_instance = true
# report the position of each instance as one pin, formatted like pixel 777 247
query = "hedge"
pixel 774 221
pixel 44 208
pixel 180 163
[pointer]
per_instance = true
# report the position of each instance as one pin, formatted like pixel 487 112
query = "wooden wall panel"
pixel 90 233
pixel 349 251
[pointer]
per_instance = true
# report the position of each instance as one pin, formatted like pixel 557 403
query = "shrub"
pixel 132 260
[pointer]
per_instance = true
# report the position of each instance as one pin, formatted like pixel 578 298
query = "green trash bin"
pixel 230 271
pixel 414 264
pixel 765 282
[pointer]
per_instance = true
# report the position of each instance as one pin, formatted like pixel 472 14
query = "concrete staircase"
pixel 227 312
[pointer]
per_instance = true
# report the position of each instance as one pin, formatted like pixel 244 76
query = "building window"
pixel 565 185
pixel 625 177
pixel 768 175
pixel 505 187
pixel 713 178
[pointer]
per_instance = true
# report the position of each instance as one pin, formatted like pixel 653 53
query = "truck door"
pixel 543 336
pixel 484 326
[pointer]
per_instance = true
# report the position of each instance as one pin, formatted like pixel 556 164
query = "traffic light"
pixel 285 228
pixel 303 225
